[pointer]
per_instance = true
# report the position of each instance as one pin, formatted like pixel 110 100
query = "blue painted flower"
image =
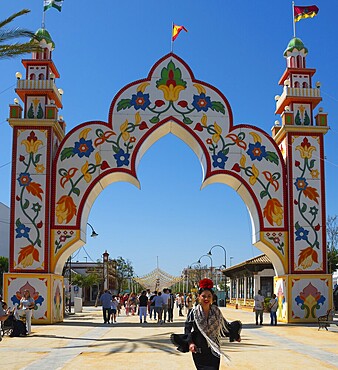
pixel 301 183
pixel 22 231
pixel 140 100
pixel 24 179
pixel 256 151
pixel 299 300
pixel 301 234
pixel 321 300
pixel 83 147
pixel 122 158
pixel 219 160
pixel 201 102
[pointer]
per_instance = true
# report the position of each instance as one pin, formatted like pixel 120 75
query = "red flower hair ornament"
pixel 206 284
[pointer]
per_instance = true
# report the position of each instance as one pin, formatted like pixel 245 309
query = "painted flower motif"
pixel 269 177
pixel 28 255
pixel 171 83
pixel 122 158
pixel 305 149
pixel 22 231
pixel 314 174
pixel 219 160
pixel 301 234
pixel 83 147
pixel 24 179
pixel 31 143
pixel 209 141
pixel 36 207
pixel 313 211
pixel 201 102
pixel 65 209
pixel 273 212
pixel 256 151
pixel 40 168
pixel 240 143
pixel 307 257
pixel 65 178
pixel 140 100
pixel 301 183
pixel 218 132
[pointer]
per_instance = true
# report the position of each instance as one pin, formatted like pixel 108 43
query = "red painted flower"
pixel 307 257
pixel 273 212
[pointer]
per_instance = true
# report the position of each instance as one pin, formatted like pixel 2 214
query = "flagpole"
pixel 171 38
pixel 43 18
pixel 293 19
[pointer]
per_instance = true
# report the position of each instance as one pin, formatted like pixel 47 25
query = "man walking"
pixel 171 303
pixel 106 301
pixel 165 296
pixel 259 307
pixel 143 305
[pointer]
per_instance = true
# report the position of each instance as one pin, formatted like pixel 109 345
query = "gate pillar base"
pixel 303 297
pixel 45 289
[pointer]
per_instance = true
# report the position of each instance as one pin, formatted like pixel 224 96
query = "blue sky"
pixel 237 46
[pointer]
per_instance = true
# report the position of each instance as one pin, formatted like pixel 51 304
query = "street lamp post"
pixel 207 255
pixel 94 234
pixel 225 253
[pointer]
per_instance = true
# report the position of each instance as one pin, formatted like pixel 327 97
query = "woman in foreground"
pixel 204 326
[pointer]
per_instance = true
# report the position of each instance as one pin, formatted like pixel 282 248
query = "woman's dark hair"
pixel 201 290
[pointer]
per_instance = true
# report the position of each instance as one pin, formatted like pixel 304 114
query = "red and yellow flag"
pixel 301 12
pixel 176 30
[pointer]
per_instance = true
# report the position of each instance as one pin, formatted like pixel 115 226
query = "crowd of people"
pixel 156 305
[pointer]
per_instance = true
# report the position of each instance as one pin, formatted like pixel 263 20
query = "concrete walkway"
pixel 84 342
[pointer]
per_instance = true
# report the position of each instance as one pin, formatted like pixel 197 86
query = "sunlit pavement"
pixel 82 341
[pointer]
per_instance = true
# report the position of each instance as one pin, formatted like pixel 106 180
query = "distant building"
pixel 248 277
pixel 4 230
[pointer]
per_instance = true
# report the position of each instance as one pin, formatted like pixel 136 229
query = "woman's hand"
pixel 192 347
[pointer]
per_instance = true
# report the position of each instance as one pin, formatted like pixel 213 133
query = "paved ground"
pixel 84 342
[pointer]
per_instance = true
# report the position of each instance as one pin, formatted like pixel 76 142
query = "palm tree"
pixel 8 50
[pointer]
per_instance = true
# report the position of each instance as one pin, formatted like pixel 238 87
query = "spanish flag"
pixel 176 30
pixel 301 12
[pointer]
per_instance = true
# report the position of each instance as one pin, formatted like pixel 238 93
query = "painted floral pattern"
pixel 306 201
pixel 310 300
pixel 145 105
pixel 29 197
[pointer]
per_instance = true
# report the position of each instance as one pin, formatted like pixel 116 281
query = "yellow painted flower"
pixel 305 149
pixel 40 168
pixel 273 212
pixel 218 132
pixel 31 143
pixel 171 92
pixel 65 209
pixel 314 174
pixel 124 132
pixel 28 255
pixel 254 176
pixel 87 176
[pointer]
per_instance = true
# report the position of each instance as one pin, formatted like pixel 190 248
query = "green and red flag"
pixel 301 12
pixel 57 4
pixel 176 30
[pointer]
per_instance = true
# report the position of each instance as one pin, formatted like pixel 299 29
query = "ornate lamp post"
pixel 206 255
pixel 225 253
pixel 94 234
pixel 105 256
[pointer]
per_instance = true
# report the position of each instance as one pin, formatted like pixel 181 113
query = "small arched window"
pixel 292 62
pixel 41 76
pixel 297 84
pixel 305 85
pixel 32 76
pixel 299 61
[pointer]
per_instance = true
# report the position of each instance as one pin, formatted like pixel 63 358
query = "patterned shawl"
pixel 211 327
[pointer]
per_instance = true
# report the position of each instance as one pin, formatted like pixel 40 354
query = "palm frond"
pixel 13 16
pixel 15 33
pixel 10 51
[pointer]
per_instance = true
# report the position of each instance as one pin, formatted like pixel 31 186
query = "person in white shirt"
pixel 259 307
pixel 26 307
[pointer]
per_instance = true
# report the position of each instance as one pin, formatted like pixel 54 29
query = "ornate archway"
pixel 269 173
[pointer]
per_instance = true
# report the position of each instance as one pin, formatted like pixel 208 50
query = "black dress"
pixel 203 359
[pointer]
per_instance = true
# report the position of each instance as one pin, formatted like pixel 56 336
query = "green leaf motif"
pixel 217 106
pixel 176 75
pixel 38 242
pixel 123 104
pixel 37 158
pixel 67 153
pixel 18 222
pixel 297 225
pixel 154 120
pixel 226 151
pixel 272 157
pixel 116 149
pixel 312 163
pixel 76 191
pixel 304 208
pixel 263 194
pixel 26 204
pixel 187 121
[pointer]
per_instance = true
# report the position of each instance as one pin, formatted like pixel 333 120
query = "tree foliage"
pixel 4 264
pixel 10 50
pixel 124 272
pixel 84 281
pixel 332 242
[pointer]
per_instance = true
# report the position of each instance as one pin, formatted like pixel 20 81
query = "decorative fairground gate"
pixel 56 177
